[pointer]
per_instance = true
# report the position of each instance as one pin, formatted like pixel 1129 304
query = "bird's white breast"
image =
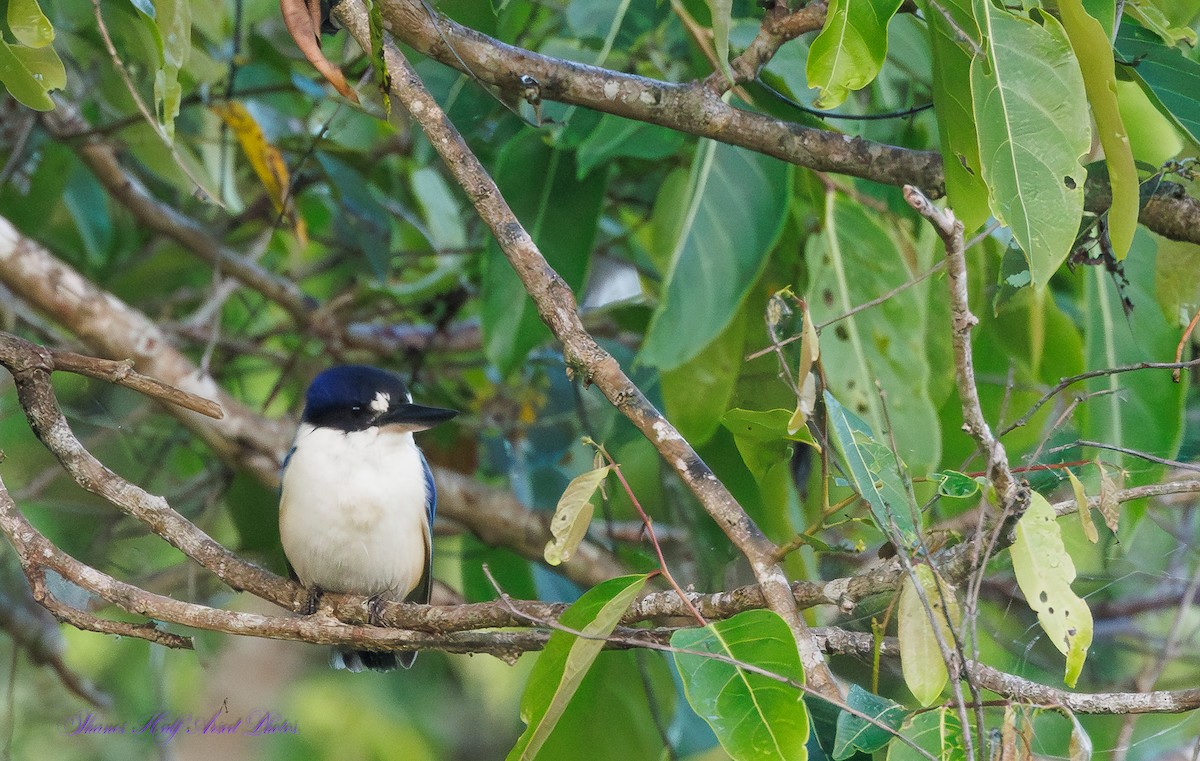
pixel 352 514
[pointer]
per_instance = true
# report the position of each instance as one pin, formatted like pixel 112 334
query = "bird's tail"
pixel 357 660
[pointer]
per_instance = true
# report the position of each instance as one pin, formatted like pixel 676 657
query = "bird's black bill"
pixel 416 417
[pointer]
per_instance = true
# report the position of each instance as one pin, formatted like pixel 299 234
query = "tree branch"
pixel 37 553
pixel 698 110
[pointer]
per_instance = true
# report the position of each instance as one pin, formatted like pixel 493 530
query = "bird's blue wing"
pixel 425 587
pixel 279 493
pixel 286 459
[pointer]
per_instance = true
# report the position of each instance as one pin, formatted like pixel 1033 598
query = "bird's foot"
pixel 314 597
pixel 375 605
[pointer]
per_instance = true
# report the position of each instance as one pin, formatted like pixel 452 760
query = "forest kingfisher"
pixel 357 503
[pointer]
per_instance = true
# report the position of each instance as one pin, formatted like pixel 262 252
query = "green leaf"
pixel 28 24
pixel 567 657
pixel 938 732
pixel 737 205
pixel 145 6
pixel 20 82
pixel 45 66
pixel 850 49
pixel 696 394
pixel 851 261
pixel 1030 110
pixel 367 222
pixel 174 20
pixel 1171 78
pixel 855 733
pixel 1044 573
pixel 561 213
pixel 1154 16
pixel 951 483
pixel 615 137
pixel 513 573
pixel 951 81
pixel 1095 54
pixel 876 475
pixel 763 439
pixel 721 11
pixel 921 657
pixel 755 717
pixel 440 208
pixel 573 515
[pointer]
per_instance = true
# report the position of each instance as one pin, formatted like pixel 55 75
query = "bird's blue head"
pixel 358 397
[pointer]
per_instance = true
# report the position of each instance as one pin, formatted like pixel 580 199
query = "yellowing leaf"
pixel 265 159
pixel 1081 506
pixel 920 655
pixel 1094 51
pixel 1044 572
pixel 1110 506
pixel 573 515
pixel 28 24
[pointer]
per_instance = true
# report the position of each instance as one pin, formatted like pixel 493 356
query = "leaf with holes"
pixel 1044 573
pixel 1029 105
pixel 858 255
pixel 756 717
pixel 573 515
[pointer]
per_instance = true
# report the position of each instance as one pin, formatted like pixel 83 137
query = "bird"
pixel 357 500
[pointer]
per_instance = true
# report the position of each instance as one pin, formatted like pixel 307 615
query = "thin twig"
pixel 1125 450
pixel 1066 382
pixel 649 524
pixel 123 374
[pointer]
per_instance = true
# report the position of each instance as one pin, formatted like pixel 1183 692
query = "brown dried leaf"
pixel 303 23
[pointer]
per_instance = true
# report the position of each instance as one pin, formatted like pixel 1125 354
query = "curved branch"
pixel 692 108
pixel 697 109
